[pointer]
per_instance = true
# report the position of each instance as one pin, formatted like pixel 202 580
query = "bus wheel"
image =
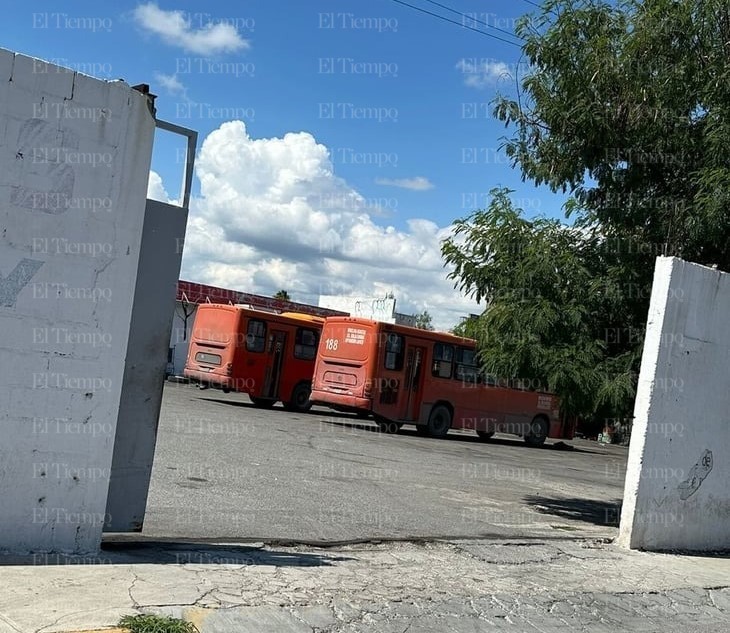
pixel 388 426
pixel 300 399
pixel 262 403
pixel 485 435
pixel 439 422
pixel 538 432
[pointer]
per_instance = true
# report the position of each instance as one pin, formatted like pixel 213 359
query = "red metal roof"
pixel 201 293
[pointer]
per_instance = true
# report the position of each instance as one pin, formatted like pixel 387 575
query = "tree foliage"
pixel 283 295
pixel 626 107
pixel 423 321
pixel 551 316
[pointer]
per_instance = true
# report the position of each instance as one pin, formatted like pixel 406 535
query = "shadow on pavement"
pixel 409 431
pixel 279 407
pixel 163 552
pixel 587 510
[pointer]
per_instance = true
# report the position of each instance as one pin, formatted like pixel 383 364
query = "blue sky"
pixel 399 99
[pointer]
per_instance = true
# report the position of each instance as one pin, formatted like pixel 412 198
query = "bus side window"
pixel 466 367
pixel 443 360
pixel 256 336
pixel 305 346
pixel 394 352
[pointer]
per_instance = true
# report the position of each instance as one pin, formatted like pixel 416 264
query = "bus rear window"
pixel 256 336
pixel 394 352
pixel 346 341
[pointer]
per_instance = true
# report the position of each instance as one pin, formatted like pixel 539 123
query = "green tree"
pixel 553 315
pixel 467 328
pixel 626 107
pixel 283 295
pixel 423 321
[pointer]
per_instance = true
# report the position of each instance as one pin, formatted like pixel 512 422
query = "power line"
pixel 468 17
pixel 534 4
pixel 441 17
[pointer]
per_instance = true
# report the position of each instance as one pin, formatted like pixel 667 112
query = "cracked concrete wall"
pixel 677 490
pixel 75 159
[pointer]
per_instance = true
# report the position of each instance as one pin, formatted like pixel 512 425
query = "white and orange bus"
pixel 266 355
pixel 403 375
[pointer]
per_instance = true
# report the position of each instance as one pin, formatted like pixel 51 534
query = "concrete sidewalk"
pixel 545 585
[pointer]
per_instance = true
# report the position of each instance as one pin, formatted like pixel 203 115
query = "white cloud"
pixel 176 30
pixel 419 183
pixel 155 188
pixel 171 83
pixel 484 73
pixel 273 214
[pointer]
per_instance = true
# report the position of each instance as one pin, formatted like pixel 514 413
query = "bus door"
pixel 410 401
pixel 275 352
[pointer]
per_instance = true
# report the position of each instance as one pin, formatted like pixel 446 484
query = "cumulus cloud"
pixel 273 214
pixel 484 73
pixel 419 183
pixel 175 29
pixel 155 188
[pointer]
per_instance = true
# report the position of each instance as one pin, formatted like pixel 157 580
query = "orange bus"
pixel 403 375
pixel 268 356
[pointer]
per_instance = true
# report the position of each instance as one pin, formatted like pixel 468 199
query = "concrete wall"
pixel 144 372
pixel 677 491
pixel 378 309
pixel 73 180
pixel 180 336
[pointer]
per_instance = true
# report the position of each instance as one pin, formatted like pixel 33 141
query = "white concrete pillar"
pixel 677 491
pixel 74 161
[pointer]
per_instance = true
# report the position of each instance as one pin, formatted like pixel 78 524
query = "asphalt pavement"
pixel 225 469
pixel 265 521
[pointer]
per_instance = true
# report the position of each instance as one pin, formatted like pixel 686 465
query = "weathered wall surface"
pixel 74 160
pixel 144 373
pixel 677 491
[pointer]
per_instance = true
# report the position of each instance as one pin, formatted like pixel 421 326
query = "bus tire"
pixel 262 403
pixel 299 400
pixel 439 422
pixel 485 436
pixel 388 426
pixel 538 431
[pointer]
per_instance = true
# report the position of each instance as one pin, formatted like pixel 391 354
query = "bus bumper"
pixel 210 379
pixel 340 400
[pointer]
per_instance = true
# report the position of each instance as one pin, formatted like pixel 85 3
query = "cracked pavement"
pixel 441 586
pixel 264 521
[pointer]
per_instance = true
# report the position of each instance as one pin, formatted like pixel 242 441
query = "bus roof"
pixel 303 317
pixel 265 313
pixel 444 337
